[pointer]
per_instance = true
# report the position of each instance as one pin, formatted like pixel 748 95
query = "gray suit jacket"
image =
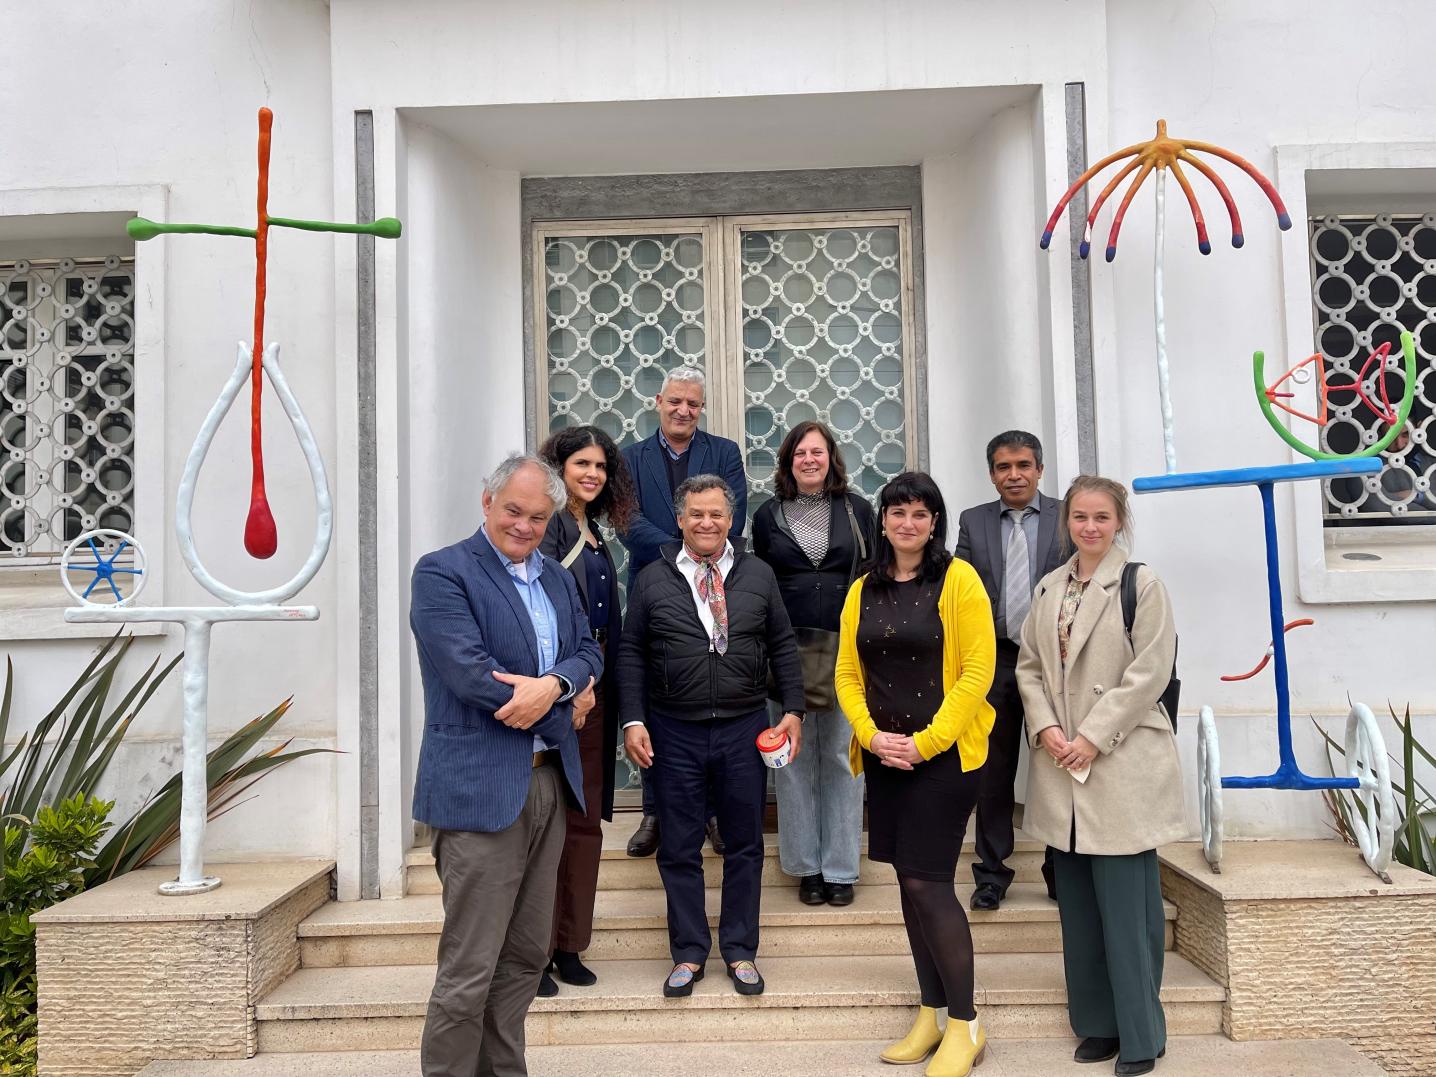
pixel 979 543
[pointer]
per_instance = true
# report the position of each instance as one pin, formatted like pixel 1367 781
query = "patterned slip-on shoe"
pixel 746 978
pixel 681 980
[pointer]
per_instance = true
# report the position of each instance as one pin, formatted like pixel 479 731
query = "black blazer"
pixel 813 596
pixel 979 543
pixel 560 537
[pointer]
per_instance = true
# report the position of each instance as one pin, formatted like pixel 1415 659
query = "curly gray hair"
pixel 696 484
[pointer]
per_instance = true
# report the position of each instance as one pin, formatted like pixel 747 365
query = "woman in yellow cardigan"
pixel 915 658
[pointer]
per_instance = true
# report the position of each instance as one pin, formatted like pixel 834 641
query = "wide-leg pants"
pixel 1113 946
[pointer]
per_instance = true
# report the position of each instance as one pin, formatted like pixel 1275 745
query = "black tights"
pixel 941 944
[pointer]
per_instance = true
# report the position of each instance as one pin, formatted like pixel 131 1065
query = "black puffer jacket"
pixel 666 663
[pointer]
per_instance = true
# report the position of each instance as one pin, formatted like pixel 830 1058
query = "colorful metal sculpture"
pixel 1161 155
pixel 261 536
pixel 1270 397
pixel 253 363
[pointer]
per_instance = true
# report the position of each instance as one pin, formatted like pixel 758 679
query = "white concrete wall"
pixel 1250 79
pixel 152 98
pixel 463 353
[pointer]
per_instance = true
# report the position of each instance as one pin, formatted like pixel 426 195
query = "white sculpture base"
pixel 182 889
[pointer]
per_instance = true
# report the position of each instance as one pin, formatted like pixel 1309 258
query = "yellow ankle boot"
pixel 963 1045
pixel 918 1043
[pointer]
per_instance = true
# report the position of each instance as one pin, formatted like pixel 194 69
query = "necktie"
pixel 1017 576
pixel 710 590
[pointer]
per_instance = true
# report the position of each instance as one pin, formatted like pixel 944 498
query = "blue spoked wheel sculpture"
pixel 104 568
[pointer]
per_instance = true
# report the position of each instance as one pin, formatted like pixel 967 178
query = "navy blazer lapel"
pixel 699 448
pixel 499 575
pixel 553 586
pixel 657 469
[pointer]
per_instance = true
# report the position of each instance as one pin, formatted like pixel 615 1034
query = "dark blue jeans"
pixel 697 763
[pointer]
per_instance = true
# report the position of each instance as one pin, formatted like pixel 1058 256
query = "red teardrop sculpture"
pixel 261 538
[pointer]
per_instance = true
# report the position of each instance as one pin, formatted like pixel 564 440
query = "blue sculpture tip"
pixel 1205 246
pixel 1083 249
pixel 1111 252
pixel 1046 239
pixel 1283 220
pixel 1238 239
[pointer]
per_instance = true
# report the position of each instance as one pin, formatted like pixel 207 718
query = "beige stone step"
pixel 619 871
pixel 633 924
pixel 1187 1056
pixel 811 999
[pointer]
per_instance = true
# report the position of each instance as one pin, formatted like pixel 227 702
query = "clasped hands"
pixel 535 696
pixel 895 750
pixel 1074 754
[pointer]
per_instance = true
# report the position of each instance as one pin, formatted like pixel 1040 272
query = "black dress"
pixel 916 818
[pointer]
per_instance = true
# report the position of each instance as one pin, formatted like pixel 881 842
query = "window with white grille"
pixel 1373 276
pixel 67 389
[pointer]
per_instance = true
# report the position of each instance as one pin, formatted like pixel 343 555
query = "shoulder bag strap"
pixel 583 536
pixel 860 547
pixel 1129 598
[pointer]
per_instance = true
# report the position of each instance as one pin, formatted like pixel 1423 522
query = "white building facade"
pixel 832 208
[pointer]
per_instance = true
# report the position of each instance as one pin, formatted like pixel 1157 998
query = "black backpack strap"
pixel 1129 597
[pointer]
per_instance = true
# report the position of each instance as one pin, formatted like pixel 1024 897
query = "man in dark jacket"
pixel 703 623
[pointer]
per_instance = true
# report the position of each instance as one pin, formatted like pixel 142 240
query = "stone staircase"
pixel 839 985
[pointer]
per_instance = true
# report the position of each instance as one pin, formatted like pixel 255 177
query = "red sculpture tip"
pixel 261 538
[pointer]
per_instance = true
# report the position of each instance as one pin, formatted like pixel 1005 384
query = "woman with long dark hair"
pixel 814 534
pixel 600 489
pixel 915 662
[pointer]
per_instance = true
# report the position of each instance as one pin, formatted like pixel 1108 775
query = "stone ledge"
pixel 247 892
pixel 1285 870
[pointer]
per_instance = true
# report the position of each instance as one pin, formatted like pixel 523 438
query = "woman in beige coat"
pixel 1105 789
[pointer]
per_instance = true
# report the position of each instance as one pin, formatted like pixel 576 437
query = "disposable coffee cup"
pixel 775 748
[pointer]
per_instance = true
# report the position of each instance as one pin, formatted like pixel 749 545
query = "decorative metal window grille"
pixel 823 338
pixel 67 383
pixel 1373 276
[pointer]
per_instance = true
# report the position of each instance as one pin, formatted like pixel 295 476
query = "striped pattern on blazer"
pixel 469 621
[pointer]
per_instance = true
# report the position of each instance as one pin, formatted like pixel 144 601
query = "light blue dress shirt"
pixel 525 576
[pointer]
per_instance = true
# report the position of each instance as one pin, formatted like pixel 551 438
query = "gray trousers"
pixel 1113 946
pixel 498 918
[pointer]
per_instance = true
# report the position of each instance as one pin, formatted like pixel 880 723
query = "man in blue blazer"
pixel 659 465
pixel 508 665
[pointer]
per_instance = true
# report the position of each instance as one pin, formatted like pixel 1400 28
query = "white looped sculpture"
pixel 199 620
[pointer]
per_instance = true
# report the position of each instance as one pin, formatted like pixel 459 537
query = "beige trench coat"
pixel 1132 799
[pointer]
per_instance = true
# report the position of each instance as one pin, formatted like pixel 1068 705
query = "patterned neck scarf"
pixel 710 590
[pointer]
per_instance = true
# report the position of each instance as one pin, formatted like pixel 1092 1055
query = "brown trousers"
pixel 582 844
pixel 498 913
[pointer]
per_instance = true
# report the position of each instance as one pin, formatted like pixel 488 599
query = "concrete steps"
pixel 631 924
pixel 812 999
pixel 619 871
pixel 1187 1056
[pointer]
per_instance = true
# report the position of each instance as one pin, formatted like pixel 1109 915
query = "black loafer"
pixel 1141 1065
pixel 684 987
pixel 645 839
pixel 986 898
pixel 547 988
pixel 839 893
pixel 714 838
pixel 810 890
pixel 747 980
pixel 1096 1049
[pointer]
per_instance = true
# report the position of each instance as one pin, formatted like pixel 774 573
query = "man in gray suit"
pixel 1012 542
pixel 508 665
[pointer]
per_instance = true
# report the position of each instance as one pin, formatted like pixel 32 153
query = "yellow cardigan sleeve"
pixel 969 659
pixel 848 678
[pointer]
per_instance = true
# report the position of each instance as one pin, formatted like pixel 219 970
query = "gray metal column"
pixel 1075 99
pixel 368 516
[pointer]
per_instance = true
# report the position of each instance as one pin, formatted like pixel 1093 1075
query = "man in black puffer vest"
pixel 703 624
